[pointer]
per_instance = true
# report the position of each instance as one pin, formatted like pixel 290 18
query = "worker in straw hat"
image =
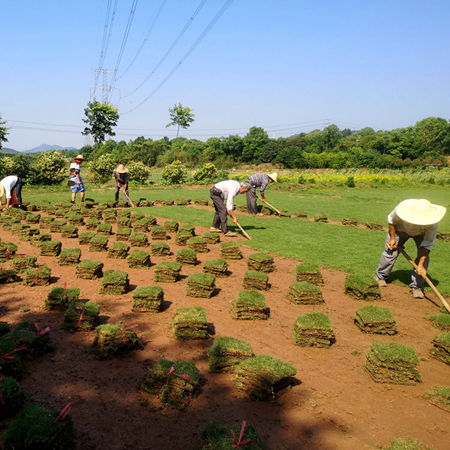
pixel 261 181
pixel 11 188
pixel 412 218
pixel 121 176
pixel 75 182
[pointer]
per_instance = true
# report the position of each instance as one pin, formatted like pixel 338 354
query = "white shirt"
pixel 429 231
pixel 229 189
pixel 8 183
pixel 75 167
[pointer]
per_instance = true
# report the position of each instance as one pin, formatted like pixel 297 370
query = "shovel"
pixel 276 210
pixel 432 286
pixel 243 231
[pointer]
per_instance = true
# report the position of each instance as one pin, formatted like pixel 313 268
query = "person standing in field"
pixel 412 218
pixel 261 181
pixel 11 188
pixel 219 193
pixel 75 181
pixel 121 177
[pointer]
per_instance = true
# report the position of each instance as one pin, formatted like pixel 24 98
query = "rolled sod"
pixel 89 270
pixel 139 240
pixel 80 316
pixel 362 288
pixel 376 320
pixel 36 428
pixel 171 226
pixel 230 250
pixel 249 305
pixel 198 244
pixel 69 231
pixel 118 250
pixel 217 435
pixel 20 263
pixel 148 299
pixel 175 382
pixel 190 323
pixel 85 238
pixel 310 273
pixel 182 237
pixel 158 233
pixel 441 321
pixel 69 257
pixel 104 229
pixel 349 222
pixel 218 267
pixel 92 223
pixel 188 228
pixel 186 256
pixel 439 396
pixel 304 293
pixel 211 238
pixel 114 282
pixel 13 397
pixel 201 285
pixel 59 297
pixel 123 233
pixel 226 353
pixel 98 244
pixel 392 363
pixel 263 377
pixel 75 219
pixel 160 249
pixel 320 218
pixel 167 272
pixel 261 262
pixel 39 276
pixel 255 280
pixel 138 259
pixel 111 340
pixel 50 248
pixel 441 348
pixel 374 226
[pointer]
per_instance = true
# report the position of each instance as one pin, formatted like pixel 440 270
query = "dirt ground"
pixel 336 406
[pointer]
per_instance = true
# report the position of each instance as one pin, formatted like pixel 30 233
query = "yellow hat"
pixel 420 212
pixel 273 176
pixel 2 190
pixel 121 169
pixel 79 158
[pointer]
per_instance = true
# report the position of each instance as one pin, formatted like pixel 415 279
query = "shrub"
pixel 102 167
pixel 207 172
pixel 174 173
pixel 48 168
pixel 138 171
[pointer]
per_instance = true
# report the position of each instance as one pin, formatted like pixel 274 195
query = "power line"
pixel 186 55
pixel 152 25
pixel 174 43
pixel 105 33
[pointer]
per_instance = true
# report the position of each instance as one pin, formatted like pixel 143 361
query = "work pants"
pixel 251 200
pixel 221 213
pixel 116 192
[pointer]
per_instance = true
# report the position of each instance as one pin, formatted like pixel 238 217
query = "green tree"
pixel 254 142
pixel 181 116
pixel 3 132
pixel 101 118
pixel 48 168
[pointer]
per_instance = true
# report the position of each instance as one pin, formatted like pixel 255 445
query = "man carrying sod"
pixel 412 218
pixel 225 190
pixel 75 182
pixel 260 180
pixel 122 178
pixel 11 188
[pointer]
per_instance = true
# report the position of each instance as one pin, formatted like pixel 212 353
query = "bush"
pixel 174 173
pixel 138 171
pixel 102 168
pixel 48 168
pixel 206 173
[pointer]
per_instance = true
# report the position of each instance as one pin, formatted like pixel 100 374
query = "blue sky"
pixel 286 65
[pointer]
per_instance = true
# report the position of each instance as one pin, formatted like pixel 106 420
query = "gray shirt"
pixel 260 180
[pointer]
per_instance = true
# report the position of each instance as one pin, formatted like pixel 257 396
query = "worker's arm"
pixel 263 197
pixel 423 255
pixel 392 243
pixel 233 216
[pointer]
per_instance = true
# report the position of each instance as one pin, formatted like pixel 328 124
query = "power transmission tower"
pixel 105 87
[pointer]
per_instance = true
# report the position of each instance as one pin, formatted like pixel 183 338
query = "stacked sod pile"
pixel 304 293
pixel 441 321
pixel 376 320
pixel 56 226
pixel 98 244
pixel 362 288
pixel 110 340
pixel 255 280
pixel 32 218
pixel 260 262
pixel 89 270
pixel 182 237
pixel 198 244
pixel 44 223
pixel 190 323
pixel 148 299
pixel 37 239
pixel 92 223
pixel 8 276
pixel 20 263
pixel 69 231
pixel 374 226
pixel 160 249
pixel 218 436
pixel 7 250
pixel 123 233
pixel 313 329
pixel 226 353
pixel 139 240
pixel 85 238
pixel 310 273
pixel 158 233
pixel 80 316
pixel 39 276
pixel 37 428
pixel 441 347
pixel 201 285
pixel 114 282
pixel 104 229
pixel 118 250
pixel 249 305
pixel 218 267
pixel 58 297
pixel 75 219
pixel 13 397
pixel 211 238
pixel 171 226
pixel 188 228
pixel 123 221
pixel 69 257
pixel 439 396
pixel 138 259
pixel 167 272
pixel 175 382
pixel 141 225
pixel 50 248
pixel 186 256
pixel 12 367
pixel 320 218
pixel 263 377
pixel 230 250
pixel 392 363
pixel 109 216
pixel 348 221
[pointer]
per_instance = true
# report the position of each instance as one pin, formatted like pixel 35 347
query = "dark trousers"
pixel 221 214
pixel 18 188
pixel 251 200
pixel 116 192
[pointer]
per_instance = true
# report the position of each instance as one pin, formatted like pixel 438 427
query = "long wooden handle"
pixel 244 232
pixel 432 286
pixel 273 207
pixel 128 198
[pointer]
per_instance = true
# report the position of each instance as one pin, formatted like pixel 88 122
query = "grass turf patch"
pixel 114 282
pixel 314 329
pixel 310 273
pixel 218 267
pixel 375 319
pixel 362 287
pixel 59 297
pixel 160 249
pixel 219 436
pixel 249 305
pixel 50 248
pixel 186 256
pixel 441 348
pixel 201 285
pixel 118 250
pixel 255 280
pixel 439 396
pixel 111 340
pixel 39 276
pixel 13 397
pixel 148 299
pixel 89 269
pixel 261 262
pixel 190 323
pixel 407 444
pixel 304 293
pixel 182 237
pixel 98 244
pixel 69 257
pixel 167 272
pixel 441 321
pixel 226 353
pixel 230 250
pixel 85 238
pixel 198 244
pixel 81 316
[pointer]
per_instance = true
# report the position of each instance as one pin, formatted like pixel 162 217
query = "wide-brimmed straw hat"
pixel 420 212
pixel 121 169
pixel 79 158
pixel 274 176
